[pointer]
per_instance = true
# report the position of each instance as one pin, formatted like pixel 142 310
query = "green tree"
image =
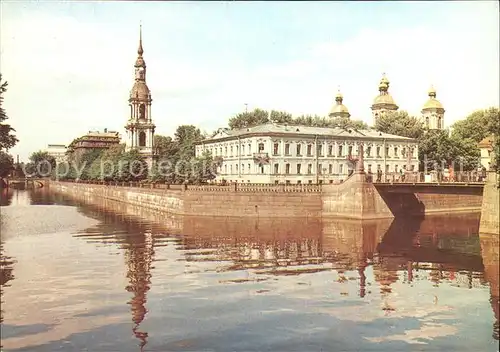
pixel 41 164
pixel 6 164
pixel 400 123
pixel 478 125
pixel 164 146
pixel 7 138
pixel 249 119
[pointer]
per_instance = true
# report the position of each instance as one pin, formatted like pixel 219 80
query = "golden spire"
pixel 140 51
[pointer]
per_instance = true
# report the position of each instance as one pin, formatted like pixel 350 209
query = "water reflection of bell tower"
pixel 140 127
pixel 139 256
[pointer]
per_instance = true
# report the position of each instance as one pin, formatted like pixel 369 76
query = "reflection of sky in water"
pixel 75 289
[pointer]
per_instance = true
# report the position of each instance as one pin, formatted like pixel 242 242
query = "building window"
pixel 231 150
pixel 298 149
pixel 287 169
pixel 142 112
pixel 427 122
pixel 236 168
pixel 242 168
pixel 310 182
pixel 439 123
pixel 396 152
pixel 262 169
pixel 340 151
pixel 320 182
pixel 369 168
pixel 309 168
pixel 287 149
pixel 299 182
pixel 413 168
pixel 237 150
pixel 349 150
pixel 243 149
pixel 387 151
pixel 225 151
pixel 378 152
pixel 330 169
pixel 341 169
pixel 249 148
pixel 142 139
pixel 249 169
pixel 276 168
pixel 298 169
pixel 368 151
pixel 309 150
pixel 275 150
pixel 220 151
pixel 396 168
pixel 261 147
pixel 276 182
pixel 320 171
pixel 386 168
pixel 330 150
pixel 287 182
pixel 320 150
pixel 225 169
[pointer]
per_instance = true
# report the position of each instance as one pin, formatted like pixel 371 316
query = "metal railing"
pixel 428 177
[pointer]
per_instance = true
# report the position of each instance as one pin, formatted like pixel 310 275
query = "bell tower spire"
pixel 140 51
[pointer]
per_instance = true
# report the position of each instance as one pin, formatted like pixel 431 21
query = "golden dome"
pixel 140 91
pixel 432 103
pixel 338 108
pixel 384 99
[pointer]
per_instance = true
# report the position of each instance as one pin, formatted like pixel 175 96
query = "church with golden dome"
pixel 432 113
pixel 140 127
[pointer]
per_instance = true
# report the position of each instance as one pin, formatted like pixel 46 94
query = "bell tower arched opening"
pixel 142 139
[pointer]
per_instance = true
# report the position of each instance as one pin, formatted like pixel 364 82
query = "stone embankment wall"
pixel 490 217
pixel 253 201
pixel 353 199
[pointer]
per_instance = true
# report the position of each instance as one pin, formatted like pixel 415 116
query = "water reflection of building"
pixel 490 253
pixel 444 250
pixel 139 253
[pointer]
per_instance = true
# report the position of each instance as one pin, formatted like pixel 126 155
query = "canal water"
pixel 110 277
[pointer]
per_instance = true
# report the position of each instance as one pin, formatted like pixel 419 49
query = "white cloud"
pixel 66 77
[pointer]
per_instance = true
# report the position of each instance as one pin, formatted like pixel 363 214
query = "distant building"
pixel 433 112
pixel 58 151
pixel 94 140
pixel 486 148
pixel 273 153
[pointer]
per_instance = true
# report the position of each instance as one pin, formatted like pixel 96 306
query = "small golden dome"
pixel 339 109
pixel 140 91
pixel 432 103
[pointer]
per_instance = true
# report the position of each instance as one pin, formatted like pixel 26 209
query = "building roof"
pixel 486 142
pixel 301 131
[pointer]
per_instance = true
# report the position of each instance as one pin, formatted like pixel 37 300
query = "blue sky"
pixel 70 65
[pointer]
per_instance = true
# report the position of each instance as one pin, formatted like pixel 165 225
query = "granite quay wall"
pixel 490 217
pixel 353 199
